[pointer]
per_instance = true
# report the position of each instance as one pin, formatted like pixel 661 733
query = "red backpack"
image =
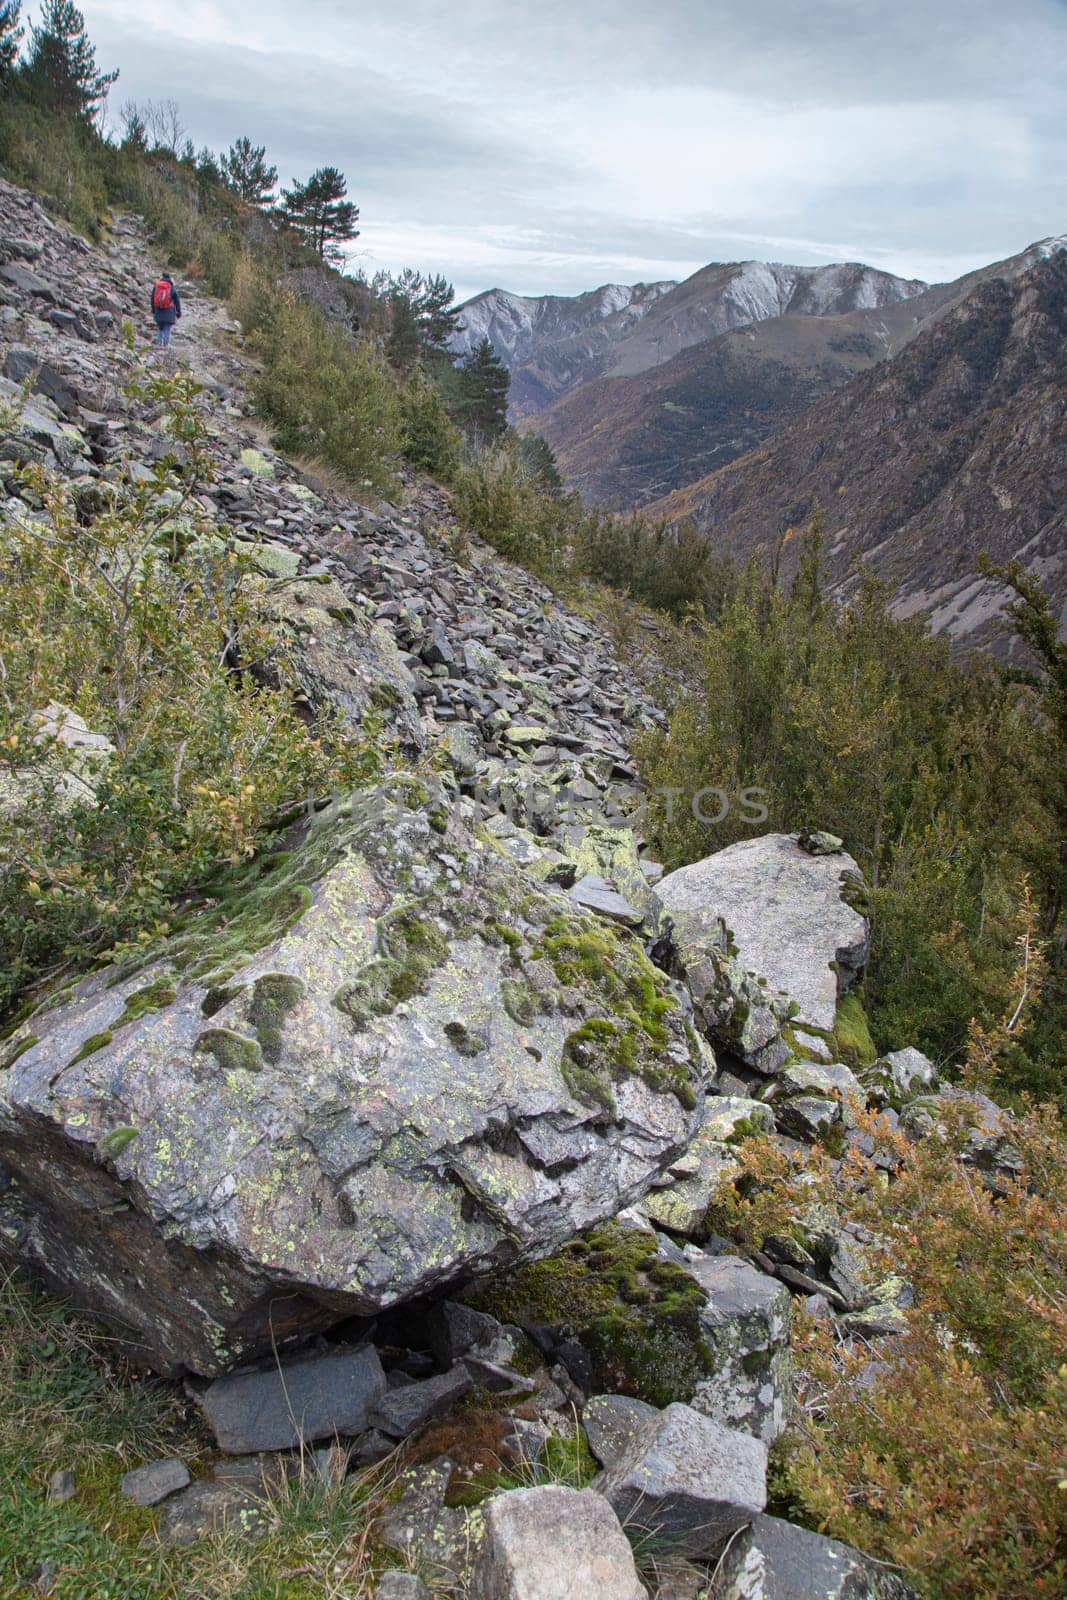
pixel 161 300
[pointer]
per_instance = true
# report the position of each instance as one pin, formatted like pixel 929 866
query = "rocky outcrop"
pixel 390 1062
pixel 767 941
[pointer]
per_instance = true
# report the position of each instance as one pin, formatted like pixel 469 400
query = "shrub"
pixel 137 614
pixel 329 396
pixel 942 1449
pixel 431 442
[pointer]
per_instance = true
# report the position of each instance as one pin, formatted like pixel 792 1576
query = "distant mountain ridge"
pixel 554 343
pixel 954 446
pixel 625 441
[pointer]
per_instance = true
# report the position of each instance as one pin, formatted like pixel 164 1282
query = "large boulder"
pixel 768 942
pixel 773 1560
pixel 379 1061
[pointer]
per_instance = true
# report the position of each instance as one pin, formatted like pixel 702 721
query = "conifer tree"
pixel 318 211
pixel 422 317
pixel 10 37
pixel 246 172
pixel 481 403
pixel 61 73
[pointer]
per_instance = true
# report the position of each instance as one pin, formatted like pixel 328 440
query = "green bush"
pixel 329 396
pixel 136 613
pixel 431 441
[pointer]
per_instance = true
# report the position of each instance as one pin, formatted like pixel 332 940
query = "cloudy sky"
pixel 552 145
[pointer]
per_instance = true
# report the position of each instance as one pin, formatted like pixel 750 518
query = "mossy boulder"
pixel 636 1314
pixel 377 1060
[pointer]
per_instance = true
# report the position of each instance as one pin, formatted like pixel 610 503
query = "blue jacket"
pixel 174 311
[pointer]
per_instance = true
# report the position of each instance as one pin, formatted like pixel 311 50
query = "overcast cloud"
pixel 552 145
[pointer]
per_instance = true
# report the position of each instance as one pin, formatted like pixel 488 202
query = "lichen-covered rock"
pixel 773 1560
pixel 552 1543
pixel 766 938
pixel 745 1328
pixel 343 661
pixel 382 1061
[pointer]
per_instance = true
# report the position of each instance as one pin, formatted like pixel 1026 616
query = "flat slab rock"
pixel 294 1402
pixel 777 913
pixel 350 1110
pixel 552 1543
pixel 773 1560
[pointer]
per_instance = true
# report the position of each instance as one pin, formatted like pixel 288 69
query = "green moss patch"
pixel 234 1052
pixel 637 1317
pixel 852 1036
pixel 632 1039
pixel 273 997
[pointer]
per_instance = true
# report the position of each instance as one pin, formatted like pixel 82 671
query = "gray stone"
pixel 821 1078
pixel 745 1327
pixel 294 1403
pixel 807 1117
pixel 764 909
pixel 27 282
pixel 213 1508
pixel 909 1071
pixel 295 1137
pixel 420 1527
pixel 401 1411
pixel 688 1482
pixel 612 1423
pixel 773 1560
pixel 61 1486
pixel 681 1202
pixel 596 894
pixel 552 1543
pixel 456 1328
pixel 397 1585
pixel 148 1485
pixel 527 1440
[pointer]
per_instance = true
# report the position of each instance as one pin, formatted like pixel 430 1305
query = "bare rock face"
pixel 381 1061
pixel 766 937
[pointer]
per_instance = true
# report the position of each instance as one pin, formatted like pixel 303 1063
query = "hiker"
pixel 166 308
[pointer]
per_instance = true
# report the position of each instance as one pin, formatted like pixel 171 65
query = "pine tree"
pixel 481 394
pixel 422 317
pixel 319 213
pixel 61 72
pixel 10 37
pixel 247 173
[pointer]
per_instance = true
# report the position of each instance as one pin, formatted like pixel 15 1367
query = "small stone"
pixel 397 1585
pixel 688 1481
pixel 294 1403
pixel 61 1486
pixel 773 1560
pixel 596 894
pixel 818 843
pixel 612 1423
pixel 209 1508
pixel 401 1411
pixel 148 1485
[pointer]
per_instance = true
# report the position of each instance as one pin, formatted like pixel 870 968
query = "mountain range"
pixel 927 421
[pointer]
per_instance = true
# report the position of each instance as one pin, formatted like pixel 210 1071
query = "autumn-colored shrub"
pixel 940 1449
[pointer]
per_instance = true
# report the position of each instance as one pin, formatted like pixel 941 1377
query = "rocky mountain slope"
pixel 308 1146
pixel 555 343
pixel 953 448
pixel 626 441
